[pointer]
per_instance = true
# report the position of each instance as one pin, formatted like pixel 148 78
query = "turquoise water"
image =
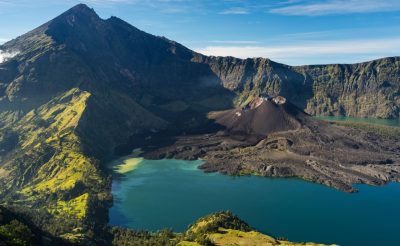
pixel 174 193
pixel 386 122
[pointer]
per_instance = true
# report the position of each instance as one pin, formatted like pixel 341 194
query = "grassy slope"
pixel 222 228
pixel 236 237
pixel 225 228
pixel 53 170
pixel 48 164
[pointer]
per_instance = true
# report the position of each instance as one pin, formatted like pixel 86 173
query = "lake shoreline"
pixel 146 196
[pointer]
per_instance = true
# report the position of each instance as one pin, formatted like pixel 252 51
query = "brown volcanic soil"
pixel 261 117
pixel 272 139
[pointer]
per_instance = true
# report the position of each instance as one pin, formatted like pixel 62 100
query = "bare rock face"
pixel 369 89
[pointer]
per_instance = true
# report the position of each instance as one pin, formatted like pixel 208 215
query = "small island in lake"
pixel 272 137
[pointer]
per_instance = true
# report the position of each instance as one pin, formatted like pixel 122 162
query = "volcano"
pixel 263 116
pixel 77 88
pixel 270 136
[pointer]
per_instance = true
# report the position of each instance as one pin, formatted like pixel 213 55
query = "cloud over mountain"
pixel 4 55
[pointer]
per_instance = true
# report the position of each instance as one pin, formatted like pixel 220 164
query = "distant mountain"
pixel 369 89
pixel 78 87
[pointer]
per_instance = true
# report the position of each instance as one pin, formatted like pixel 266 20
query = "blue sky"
pixel 294 32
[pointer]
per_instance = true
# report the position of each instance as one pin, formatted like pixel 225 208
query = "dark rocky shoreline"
pixel 328 153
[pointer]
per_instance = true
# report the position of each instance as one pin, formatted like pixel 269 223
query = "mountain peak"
pixel 76 21
pixel 81 9
pixel 78 13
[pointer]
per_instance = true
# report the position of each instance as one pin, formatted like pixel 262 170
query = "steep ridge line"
pixel 81 86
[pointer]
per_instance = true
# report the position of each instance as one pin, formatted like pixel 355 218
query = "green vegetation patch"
pixel 15 233
pixel 76 207
pixel 222 228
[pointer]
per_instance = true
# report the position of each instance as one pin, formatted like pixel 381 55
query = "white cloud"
pixel 234 42
pixel 235 11
pixel 3 40
pixel 348 51
pixel 4 55
pixel 328 7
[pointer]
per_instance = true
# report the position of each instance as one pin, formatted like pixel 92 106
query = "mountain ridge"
pixel 336 89
pixel 81 86
pixel 249 77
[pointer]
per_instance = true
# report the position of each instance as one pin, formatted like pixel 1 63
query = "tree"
pixel 16 233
